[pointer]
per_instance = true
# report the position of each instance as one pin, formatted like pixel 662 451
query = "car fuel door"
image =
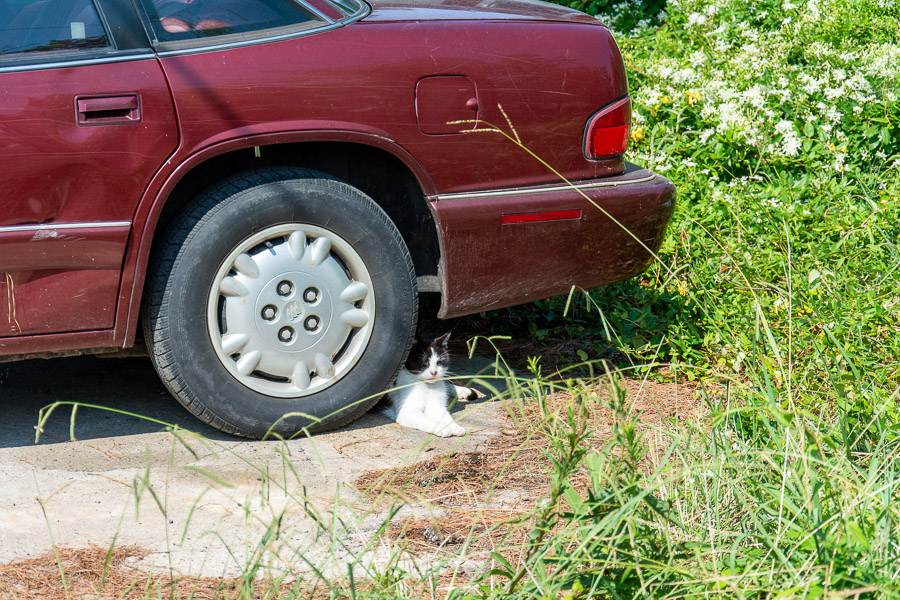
pixel 446 104
pixel 86 120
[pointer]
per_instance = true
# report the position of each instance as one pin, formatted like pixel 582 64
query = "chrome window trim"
pixel 51 226
pixel 43 66
pixel 318 13
pixel 543 190
pixel 362 13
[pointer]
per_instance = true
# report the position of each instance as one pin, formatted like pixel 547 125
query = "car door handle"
pixel 107 110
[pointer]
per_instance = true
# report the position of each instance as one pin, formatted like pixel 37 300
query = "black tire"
pixel 179 302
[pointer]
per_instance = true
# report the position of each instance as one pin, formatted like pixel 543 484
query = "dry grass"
pixel 463 478
pixel 101 574
pixel 515 460
pixel 480 502
pixel 484 501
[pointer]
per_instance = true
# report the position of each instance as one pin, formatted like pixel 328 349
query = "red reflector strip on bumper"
pixel 553 215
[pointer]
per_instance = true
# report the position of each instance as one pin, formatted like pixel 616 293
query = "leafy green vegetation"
pixel 780 125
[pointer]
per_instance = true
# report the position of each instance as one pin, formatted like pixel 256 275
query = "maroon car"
pixel 267 184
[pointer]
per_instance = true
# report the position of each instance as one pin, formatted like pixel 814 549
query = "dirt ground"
pixel 207 505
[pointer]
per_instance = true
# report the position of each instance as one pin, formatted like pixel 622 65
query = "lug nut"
pixel 311 294
pixel 285 288
pixel 286 334
pixel 269 312
pixel 311 323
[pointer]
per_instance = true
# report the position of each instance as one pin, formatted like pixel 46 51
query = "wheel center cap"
pixel 293 311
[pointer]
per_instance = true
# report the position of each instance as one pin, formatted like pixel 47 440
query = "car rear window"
pixel 49 26
pixel 175 20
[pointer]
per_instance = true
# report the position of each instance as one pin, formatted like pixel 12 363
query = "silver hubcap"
pixel 291 310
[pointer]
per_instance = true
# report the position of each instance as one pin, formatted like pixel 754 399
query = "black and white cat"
pixel 421 402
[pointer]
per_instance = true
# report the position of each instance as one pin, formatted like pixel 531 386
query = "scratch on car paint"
pixel 43 234
pixel 11 302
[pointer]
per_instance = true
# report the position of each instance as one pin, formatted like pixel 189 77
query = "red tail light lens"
pixel 607 131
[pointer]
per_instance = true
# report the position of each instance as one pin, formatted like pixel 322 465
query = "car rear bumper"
pixel 506 247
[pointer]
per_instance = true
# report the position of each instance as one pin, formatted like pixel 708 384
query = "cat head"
pixel 429 361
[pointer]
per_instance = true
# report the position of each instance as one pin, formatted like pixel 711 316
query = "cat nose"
pixel 433 373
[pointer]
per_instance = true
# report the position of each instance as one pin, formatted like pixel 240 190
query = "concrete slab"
pixel 203 503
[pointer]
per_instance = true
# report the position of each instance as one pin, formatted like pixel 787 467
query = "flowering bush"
pixel 779 122
pixel 749 89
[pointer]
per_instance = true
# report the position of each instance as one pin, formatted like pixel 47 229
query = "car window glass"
pixel 191 19
pixel 49 26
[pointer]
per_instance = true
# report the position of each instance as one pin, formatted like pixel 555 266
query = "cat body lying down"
pixel 421 400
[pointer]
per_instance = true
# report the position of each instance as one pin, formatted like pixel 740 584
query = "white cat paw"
pixel 452 430
pixel 465 394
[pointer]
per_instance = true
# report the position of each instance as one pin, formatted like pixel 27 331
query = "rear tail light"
pixel 607 131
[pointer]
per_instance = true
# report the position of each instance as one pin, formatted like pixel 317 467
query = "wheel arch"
pixel 381 169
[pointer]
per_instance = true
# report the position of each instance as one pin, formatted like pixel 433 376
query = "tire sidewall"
pixel 235 217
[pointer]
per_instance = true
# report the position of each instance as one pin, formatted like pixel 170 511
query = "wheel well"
pixel 375 172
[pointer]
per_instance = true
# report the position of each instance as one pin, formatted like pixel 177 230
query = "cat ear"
pixel 442 341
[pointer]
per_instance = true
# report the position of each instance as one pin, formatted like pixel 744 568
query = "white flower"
pixel 790 142
pixel 722 46
pixel 684 76
pixel 755 96
pixel 839 162
pixel 882 61
pixel 811 85
pixel 697 58
pixel 813 7
pixel 663 72
pixel 650 97
pixel 730 117
pixel 696 19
